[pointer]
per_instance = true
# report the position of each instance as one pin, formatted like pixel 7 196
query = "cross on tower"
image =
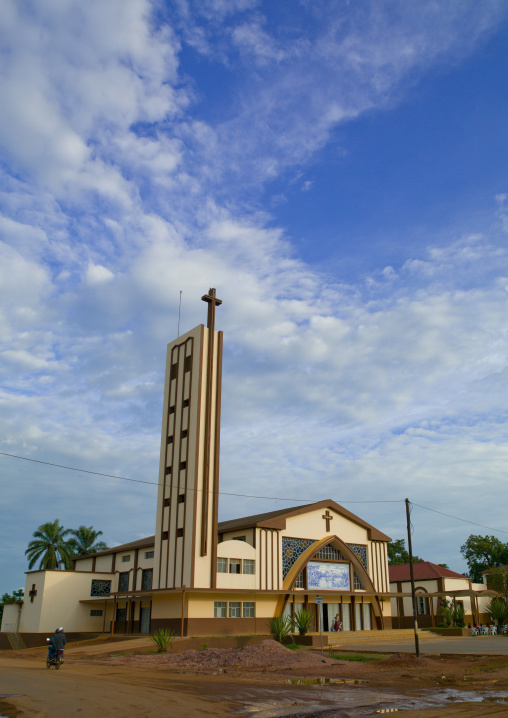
pixel 212 302
pixel 327 517
pixel 32 593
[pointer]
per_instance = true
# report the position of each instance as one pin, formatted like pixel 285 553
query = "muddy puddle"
pixel 331 698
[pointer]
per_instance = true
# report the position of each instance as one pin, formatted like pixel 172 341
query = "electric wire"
pixel 253 496
pixel 156 483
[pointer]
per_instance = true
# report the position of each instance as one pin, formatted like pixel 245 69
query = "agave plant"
pixel 303 620
pixel 280 627
pixel 163 637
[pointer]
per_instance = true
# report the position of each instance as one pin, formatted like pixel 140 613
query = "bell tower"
pixel 188 495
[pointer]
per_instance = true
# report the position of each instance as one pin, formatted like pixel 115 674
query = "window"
pixel 100 587
pixel 121 614
pixel 95 612
pixel 167 502
pixel 185 403
pixel 179 533
pixel 184 434
pixel 248 565
pixel 300 581
pixel 173 372
pixel 235 565
pixel 149 554
pixel 219 609
pixel 183 465
pixel 171 409
pixel 248 609
pixel 146 579
pixel 422 606
pixel 357 583
pixel 187 364
pixel 168 470
pixel 239 538
pixel 222 565
pixel 123 583
pixel 170 439
pixel 164 535
pixel 126 559
pixel 235 608
pixel 329 553
pixel 181 498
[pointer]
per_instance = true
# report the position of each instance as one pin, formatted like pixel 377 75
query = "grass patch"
pixel 292 646
pixel 357 656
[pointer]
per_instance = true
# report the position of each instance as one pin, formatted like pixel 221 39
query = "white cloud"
pixel 97 274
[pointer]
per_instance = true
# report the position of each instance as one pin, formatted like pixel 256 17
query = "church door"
pixel 144 626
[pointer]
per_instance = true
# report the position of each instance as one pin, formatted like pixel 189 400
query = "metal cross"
pixel 327 517
pixel 212 302
pixel 32 593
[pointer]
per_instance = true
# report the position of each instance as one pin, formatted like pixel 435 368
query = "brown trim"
pixel 135 570
pixel 94 563
pixel 196 455
pixel 175 483
pixel 207 436
pixel 113 564
pixel 216 457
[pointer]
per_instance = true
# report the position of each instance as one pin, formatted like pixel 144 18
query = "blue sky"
pixel 337 171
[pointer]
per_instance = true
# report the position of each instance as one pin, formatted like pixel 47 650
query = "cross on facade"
pixel 327 517
pixel 212 303
pixel 32 593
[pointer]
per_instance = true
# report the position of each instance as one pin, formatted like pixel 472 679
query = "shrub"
pixel 497 610
pixel 162 638
pixel 280 627
pixel 303 620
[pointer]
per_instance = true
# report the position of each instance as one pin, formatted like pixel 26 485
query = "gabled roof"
pixel 140 543
pixel 421 571
pixel 277 519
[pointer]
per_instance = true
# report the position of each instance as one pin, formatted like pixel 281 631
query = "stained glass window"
pixel 360 550
pixel 100 587
pixel 147 579
pixel 292 549
pixel 123 584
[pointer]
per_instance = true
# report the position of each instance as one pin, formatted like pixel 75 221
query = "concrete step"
pixel 393 636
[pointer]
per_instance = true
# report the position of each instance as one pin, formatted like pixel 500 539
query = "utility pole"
pixel 413 594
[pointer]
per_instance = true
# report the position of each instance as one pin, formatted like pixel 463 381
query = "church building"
pixel 199 576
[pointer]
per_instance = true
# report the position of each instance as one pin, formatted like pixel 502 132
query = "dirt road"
pixel 99 686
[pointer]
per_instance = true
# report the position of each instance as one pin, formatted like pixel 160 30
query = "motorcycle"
pixel 56 659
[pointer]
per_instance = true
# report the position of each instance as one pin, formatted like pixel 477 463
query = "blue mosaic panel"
pixel 328 576
pixel 360 550
pixel 100 587
pixel 292 549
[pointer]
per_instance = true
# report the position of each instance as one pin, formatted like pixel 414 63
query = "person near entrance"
pixel 337 625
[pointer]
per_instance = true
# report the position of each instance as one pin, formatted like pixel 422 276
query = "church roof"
pixel 140 543
pixel 277 519
pixel 421 571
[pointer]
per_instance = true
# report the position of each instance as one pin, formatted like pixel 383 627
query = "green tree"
pixel 15 597
pixel 398 554
pixel 497 579
pixel 49 545
pixel 483 552
pixel 84 541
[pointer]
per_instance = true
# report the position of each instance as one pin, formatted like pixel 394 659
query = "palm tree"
pixel 50 546
pixel 84 541
pixel 497 610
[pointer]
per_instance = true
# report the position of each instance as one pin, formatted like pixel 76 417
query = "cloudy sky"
pixel 338 171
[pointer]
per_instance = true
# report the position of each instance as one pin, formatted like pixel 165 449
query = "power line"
pixel 249 496
pixel 156 483
pixel 457 518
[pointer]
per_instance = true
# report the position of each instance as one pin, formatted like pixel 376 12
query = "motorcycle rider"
pixel 57 642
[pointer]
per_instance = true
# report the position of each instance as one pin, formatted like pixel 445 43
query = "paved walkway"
pixel 459 645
